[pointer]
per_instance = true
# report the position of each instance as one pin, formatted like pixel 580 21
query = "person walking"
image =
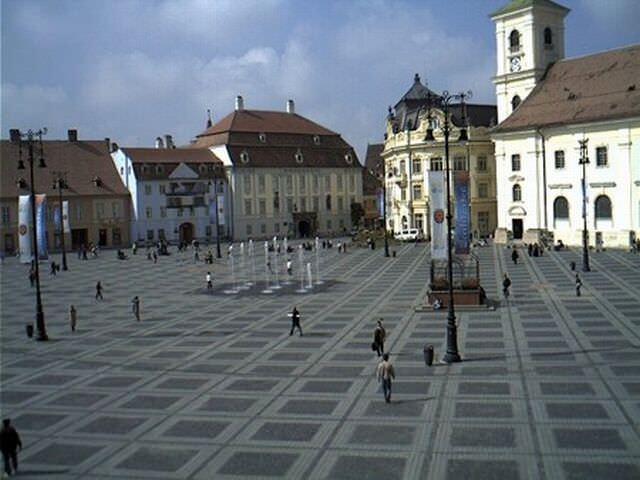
pixel 578 285
pixel 289 267
pixel 155 257
pixel 514 256
pixel 73 317
pixel 506 285
pixel 295 321
pixel 135 307
pixel 379 336
pixel 9 444
pixel 385 373
pixel 99 291
pixel 209 284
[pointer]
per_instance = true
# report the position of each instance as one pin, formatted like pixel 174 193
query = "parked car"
pixel 408 234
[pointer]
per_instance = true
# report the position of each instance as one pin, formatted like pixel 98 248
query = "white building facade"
pixel 547 105
pixel 173 193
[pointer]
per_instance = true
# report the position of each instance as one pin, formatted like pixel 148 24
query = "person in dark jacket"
pixel 578 285
pixel 379 336
pixel 295 321
pixel 506 285
pixel 9 444
pixel 515 255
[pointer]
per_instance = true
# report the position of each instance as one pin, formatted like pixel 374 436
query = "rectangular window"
pixel 339 182
pixel 148 212
pixel 289 204
pixel 208 230
pixel 247 207
pixel 340 204
pixel 116 236
pixel 329 226
pixel 483 223
pixel 163 212
pixel 289 184
pixel 263 228
pixel 6 217
pixel 249 230
pixel 149 234
pixel 316 184
pixel 601 157
pixel 327 182
pixel 162 189
pixel 417 166
pixel 275 182
pixel 303 204
pixel 559 159
pixel 180 212
pixel 262 207
pixel 459 163
pixel 515 163
pixel 436 164
pixel 276 202
pixel 483 190
pixel 352 183
pixel 482 164
pixel 276 227
pixel 115 209
pixel 247 184
pixel 302 181
pixel 403 194
pixel 261 184
pixel 100 210
pixel 316 204
pixel 341 223
pixel 417 192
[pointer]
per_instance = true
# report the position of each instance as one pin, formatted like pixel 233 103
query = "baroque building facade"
pixel 409 159
pixel 547 107
pixel 287 175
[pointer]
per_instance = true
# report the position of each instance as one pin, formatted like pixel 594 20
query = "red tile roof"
pixel 594 88
pixel 79 162
pixel 170 155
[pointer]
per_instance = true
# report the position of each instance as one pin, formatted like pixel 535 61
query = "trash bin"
pixel 428 355
pixel 29 328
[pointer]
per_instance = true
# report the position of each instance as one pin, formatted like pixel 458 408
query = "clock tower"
pixel 529 37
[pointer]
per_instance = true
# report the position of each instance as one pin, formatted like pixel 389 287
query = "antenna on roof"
pixel 209 122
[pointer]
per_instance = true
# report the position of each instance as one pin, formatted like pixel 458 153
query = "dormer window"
pixel 548 38
pixel 203 168
pixel 298 156
pixel 144 169
pixel 316 139
pixel 244 156
pixel 348 158
pixel 159 169
pixel 262 137
pixel 434 123
pixel 514 41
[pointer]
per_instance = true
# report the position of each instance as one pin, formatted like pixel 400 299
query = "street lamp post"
pixel 59 183
pixel 443 102
pixel 215 192
pixel 384 203
pixel 31 137
pixel 584 160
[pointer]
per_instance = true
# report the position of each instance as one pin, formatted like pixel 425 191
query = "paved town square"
pixel 209 384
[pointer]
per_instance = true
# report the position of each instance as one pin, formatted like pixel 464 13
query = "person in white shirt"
pixel 209 284
pixel 385 373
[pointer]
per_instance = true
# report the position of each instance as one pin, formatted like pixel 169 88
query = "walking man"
pixel 73 318
pixel 506 285
pixel 289 270
pixel 9 444
pixel 515 255
pixel 99 291
pixel 385 373
pixel 295 321
pixel 209 284
pixel 578 285
pixel 135 307
pixel 379 336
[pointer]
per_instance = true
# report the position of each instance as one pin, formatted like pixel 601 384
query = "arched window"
pixel 548 37
pixel 515 101
pixel 328 202
pixel 603 208
pixel 561 209
pixel 516 192
pixel 514 40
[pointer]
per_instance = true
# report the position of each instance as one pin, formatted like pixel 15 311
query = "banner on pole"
pixel 57 220
pixel 24 228
pixel 461 192
pixel 65 217
pixel 41 209
pixel 220 205
pixel 438 228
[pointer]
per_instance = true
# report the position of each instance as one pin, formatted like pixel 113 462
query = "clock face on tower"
pixel 515 64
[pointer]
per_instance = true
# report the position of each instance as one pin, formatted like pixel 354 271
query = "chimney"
pixel 159 143
pixel 72 135
pixel 239 103
pixel 107 140
pixel 114 147
pixel 14 135
pixel 209 122
pixel 168 141
pixel 291 106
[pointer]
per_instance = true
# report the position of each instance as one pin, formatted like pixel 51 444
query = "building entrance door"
pixel 516 227
pixel 186 232
pixel 102 237
pixel 79 236
pixel 304 229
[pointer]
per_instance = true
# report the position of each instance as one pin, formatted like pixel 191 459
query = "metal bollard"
pixel 428 355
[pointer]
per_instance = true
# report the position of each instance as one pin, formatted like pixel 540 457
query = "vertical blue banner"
pixel 461 193
pixel 41 208
pixel 57 219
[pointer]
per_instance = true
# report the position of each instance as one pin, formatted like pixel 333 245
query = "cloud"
pixel 618 15
pixel 22 105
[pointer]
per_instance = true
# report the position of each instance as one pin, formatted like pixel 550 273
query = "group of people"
pixel 385 372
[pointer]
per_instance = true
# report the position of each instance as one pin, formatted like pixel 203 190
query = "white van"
pixel 408 234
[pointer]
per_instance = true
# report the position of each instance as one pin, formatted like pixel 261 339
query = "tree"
pixel 357 212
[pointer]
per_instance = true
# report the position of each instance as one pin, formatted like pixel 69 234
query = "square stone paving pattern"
pixel 211 385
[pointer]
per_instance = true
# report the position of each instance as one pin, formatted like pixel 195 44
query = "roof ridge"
pixel 602 52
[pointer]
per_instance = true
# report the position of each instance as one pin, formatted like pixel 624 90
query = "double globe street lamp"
pixel 584 161
pixel 59 183
pixel 444 103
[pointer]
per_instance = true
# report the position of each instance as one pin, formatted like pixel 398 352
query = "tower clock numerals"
pixel 516 65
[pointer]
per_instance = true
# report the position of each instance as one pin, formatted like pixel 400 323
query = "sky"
pixel 132 70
